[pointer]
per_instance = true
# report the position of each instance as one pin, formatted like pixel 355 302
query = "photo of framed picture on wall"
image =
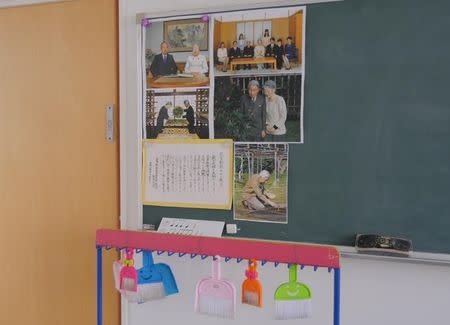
pixel 182 35
pixel 176 53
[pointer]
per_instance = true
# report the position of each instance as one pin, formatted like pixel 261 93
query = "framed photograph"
pixel 181 35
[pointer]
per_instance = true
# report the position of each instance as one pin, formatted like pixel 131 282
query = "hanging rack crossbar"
pixel 241 249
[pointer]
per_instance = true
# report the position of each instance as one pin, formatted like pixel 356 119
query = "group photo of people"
pixel 255 41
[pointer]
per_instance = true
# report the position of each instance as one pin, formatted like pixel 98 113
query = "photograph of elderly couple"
pixel 176 53
pixel 259 108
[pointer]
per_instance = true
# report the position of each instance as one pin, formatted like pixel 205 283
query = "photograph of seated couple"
pixel 164 64
pixel 177 54
pixel 246 56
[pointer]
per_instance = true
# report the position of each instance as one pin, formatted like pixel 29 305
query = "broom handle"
pixel 293 273
pixel 147 258
pixel 216 268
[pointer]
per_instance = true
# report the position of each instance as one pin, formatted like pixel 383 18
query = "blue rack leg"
pixel 337 296
pixel 99 287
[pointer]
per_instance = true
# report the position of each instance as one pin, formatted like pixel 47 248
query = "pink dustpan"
pixel 215 296
pixel 128 274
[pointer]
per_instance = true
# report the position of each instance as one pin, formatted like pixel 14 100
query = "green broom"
pixel 292 299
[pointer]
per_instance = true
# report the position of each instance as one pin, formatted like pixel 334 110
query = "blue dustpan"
pixel 151 274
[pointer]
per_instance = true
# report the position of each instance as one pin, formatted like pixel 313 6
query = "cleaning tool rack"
pixel 229 248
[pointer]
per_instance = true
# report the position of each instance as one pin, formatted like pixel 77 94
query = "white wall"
pixel 373 292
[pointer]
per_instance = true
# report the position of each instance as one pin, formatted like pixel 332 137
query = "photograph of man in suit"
pixel 235 52
pixel 163 64
pixel 253 106
pixel 189 116
pixel 162 116
pixel 249 52
pixel 273 50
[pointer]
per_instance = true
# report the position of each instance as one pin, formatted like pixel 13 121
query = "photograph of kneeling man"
pixel 260 182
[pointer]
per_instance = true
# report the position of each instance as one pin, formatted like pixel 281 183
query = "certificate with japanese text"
pixel 188 173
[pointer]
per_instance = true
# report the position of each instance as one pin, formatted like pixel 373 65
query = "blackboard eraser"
pixel 383 245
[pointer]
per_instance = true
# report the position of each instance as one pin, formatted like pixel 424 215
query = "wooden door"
pixel 59 178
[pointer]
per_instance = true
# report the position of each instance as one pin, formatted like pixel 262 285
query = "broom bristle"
pixel 251 298
pixel 130 296
pixel 128 284
pixel 148 292
pixel 116 271
pixel 215 306
pixel 293 309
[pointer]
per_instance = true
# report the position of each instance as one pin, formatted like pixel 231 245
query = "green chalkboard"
pixel 376 157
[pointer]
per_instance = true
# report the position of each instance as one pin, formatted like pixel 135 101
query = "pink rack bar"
pixel 269 251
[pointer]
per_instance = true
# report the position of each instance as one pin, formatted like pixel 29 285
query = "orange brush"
pixel 251 287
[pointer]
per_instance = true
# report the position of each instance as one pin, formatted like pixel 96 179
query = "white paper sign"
pixel 188 173
pixel 191 227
